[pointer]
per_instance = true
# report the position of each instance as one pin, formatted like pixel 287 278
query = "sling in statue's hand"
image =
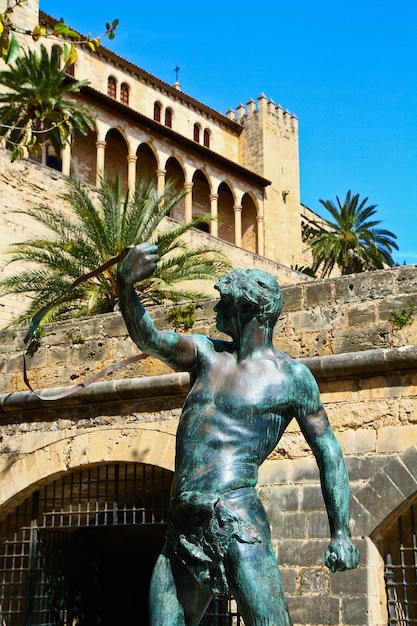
pixel 139 263
pixel 341 554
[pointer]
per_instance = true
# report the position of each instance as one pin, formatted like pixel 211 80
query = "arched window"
pixel 71 70
pixel 197 133
pixel 124 93
pixel 168 118
pixel 157 112
pixel 111 87
pixel 206 138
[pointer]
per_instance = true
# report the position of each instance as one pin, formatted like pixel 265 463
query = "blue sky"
pixel 347 69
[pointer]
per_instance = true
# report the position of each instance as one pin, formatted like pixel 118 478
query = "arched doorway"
pixel 249 224
pixel 175 179
pixel 115 162
pixel 397 542
pixel 146 164
pixel 80 549
pixel 226 213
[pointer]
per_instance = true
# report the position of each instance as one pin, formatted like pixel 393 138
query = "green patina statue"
pixel 243 395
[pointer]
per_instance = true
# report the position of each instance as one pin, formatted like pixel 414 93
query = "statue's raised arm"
pixel 174 349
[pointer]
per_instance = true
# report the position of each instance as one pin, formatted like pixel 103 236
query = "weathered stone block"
pixel 391 494
pixel 274 472
pixel 362 314
pixel 301 552
pixel 314 610
pixel 89 352
pixel 292 298
pixel 387 306
pixel 398 473
pixel 362 468
pixel 364 286
pixel 358 441
pixel 354 340
pixel 375 502
pixel 409 458
pixel 318 294
pixel 355 610
pixel 362 519
pixel 293 526
pixel 282 498
pixel 289 577
pixel 114 326
pixel 353 582
pixel 304 470
pixel 313 580
pixel 319 318
pixel 407 279
pixel 312 498
pixel 318 525
pixel 395 439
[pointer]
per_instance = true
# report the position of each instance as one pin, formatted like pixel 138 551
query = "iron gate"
pixel 401 570
pixel 80 550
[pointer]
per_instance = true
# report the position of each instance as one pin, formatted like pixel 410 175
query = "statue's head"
pixel 255 289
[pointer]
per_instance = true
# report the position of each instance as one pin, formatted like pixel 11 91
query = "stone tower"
pixel 269 147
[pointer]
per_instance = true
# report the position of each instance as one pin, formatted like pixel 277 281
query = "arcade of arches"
pixel 234 206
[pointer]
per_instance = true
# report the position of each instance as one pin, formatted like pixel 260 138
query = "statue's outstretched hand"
pixel 341 554
pixel 140 263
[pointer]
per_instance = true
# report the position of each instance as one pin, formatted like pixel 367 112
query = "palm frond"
pixel 87 233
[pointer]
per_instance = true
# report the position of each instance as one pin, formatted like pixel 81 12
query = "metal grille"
pixel 401 571
pixel 63 543
pixel 222 612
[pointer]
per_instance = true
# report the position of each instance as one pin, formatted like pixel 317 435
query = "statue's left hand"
pixel 341 554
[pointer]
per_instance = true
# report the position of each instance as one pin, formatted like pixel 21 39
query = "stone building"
pixel 241 167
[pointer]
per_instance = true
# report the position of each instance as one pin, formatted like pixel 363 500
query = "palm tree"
pixel 352 240
pixel 87 237
pixel 36 108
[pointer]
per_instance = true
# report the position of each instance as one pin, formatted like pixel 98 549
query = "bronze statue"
pixel 243 395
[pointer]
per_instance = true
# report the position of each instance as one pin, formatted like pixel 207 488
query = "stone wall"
pixel 334 316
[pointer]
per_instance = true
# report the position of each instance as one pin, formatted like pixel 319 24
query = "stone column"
pixel 188 211
pixel 238 224
pixel 131 173
pixel 261 238
pixel 101 150
pixel 66 158
pixel 214 225
pixel 161 181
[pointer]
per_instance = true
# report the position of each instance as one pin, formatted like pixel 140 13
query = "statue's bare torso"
pixel 234 414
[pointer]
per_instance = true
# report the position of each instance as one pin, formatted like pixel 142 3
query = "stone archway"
pixel 76 450
pixel 81 548
pixel 384 510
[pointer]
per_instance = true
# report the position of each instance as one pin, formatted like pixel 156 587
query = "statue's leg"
pixel 175 597
pixel 252 569
pixel 255 582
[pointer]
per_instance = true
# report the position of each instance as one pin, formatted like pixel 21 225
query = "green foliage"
pixel 304 269
pixel 78 340
pixel 183 316
pixel 402 317
pixel 351 240
pixel 36 109
pixel 10 48
pixel 78 241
